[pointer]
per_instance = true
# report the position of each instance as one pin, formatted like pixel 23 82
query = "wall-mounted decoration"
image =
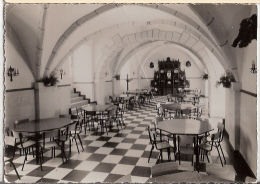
pixel 62 72
pixel 52 80
pixel 188 64
pixel 117 77
pixel 226 79
pixel 253 69
pixel 151 65
pixel 205 76
pixel 247 32
pixel 11 72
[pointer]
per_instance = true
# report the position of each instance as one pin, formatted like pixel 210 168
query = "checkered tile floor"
pixel 105 158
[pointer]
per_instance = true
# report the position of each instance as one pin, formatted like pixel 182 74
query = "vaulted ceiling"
pixel 45 34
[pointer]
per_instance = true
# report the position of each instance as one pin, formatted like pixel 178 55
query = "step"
pixel 74 95
pixel 79 104
pixel 77 99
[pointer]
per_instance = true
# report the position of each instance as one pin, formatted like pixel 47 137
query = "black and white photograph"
pixel 137 93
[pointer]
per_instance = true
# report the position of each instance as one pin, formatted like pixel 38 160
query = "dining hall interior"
pixel 130 93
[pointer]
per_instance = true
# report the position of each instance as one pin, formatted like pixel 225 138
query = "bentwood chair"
pixel 206 147
pixel 10 144
pixel 159 145
pixel 185 145
pixel 74 131
pixel 25 145
pixel 218 138
pixel 49 141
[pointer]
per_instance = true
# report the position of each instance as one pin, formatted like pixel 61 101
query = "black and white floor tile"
pixel 106 157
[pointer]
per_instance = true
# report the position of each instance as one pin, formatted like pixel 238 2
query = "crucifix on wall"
pixel 127 82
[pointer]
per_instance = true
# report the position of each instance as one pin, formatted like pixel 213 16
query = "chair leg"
pixel 25 158
pixel 169 155
pixel 222 154
pixel 161 155
pixel 207 156
pixel 80 142
pixel 219 156
pixel 76 144
pixel 11 162
pixel 179 158
pixel 70 145
pixel 150 154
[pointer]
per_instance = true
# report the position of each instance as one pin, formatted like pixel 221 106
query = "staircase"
pixel 77 100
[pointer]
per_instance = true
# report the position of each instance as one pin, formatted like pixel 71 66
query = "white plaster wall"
pixel 247 113
pixel 25 78
pixel 53 100
pixel 82 69
pixel 17 104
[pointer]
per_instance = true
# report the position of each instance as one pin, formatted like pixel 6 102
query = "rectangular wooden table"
pixel 189 127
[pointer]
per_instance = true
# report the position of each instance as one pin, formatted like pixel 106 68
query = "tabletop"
pixel 41 125
pixel 98 108
pixel 184 126
pixel 175 106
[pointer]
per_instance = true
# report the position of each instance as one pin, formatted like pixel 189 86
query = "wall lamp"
pixel 11 72
pixel 253 69
pixel 62 72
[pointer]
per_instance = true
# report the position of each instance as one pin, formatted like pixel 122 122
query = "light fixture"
pixel 62 72
pixel 253 69
pixel 188 63
pixel 12 72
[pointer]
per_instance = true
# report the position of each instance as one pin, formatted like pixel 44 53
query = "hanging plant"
pixel 226 79
pixel 151 65
pixel 188 63
pixel 205 76
pixel 51 80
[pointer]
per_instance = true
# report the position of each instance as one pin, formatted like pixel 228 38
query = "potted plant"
pixel 205 76
pixel 226 79
pixel 49 80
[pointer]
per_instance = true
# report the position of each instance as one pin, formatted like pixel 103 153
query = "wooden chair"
pixel 10 142
pixel 49 141
pixel 206 147
pixel 24 145
pixel 74 131
pixel 185 145
pixel 218 138
pixel 159 145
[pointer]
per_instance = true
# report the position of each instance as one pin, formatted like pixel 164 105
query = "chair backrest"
pixel 51 134
pixel 10 141
pixel 151 135
pixel 186 112
pixel 111 99
pixel 185 141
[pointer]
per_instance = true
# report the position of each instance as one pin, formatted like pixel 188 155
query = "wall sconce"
pixel 253 69
pixel 12 72
pixel 62 73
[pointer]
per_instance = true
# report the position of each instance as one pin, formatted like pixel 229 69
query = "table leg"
pixel 197 168
pixel 161 135
pixel 37 145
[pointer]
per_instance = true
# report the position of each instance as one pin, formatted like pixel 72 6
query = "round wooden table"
pixel 36 127
pixel 189 127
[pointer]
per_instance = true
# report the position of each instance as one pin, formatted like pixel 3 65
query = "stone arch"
pixel 202 35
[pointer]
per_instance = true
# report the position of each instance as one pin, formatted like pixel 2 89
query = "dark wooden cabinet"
pixel 169 77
